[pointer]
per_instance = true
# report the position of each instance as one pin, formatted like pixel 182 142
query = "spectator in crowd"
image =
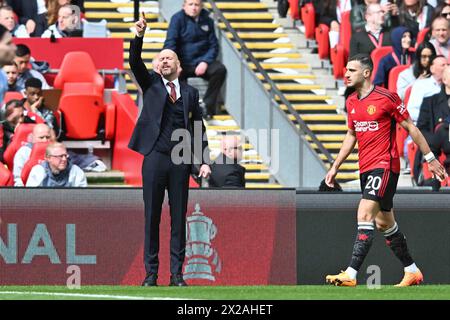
pixel 32 14
pixel 415 15
pixel 57 170
pixel 442 10
pixel 329 12
pixel 53 7
pixel 34 104
pixel 41 133
pixel 424 88
pixel 7 20
pixel 373 35
pixel 440 33
pixel 402 44
pixel 22 59
pixel 358 17
pixel 68 24
pixel 14 115
pixel 419 70
pixel 226 172
pixel 433 112
pixel 12 73
pixel 7 48
pixel 192 36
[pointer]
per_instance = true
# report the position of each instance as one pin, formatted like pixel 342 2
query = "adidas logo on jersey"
pixel 353 111
pixel 372 192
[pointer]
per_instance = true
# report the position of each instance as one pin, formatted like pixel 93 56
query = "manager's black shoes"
pixel 176 280
pixel 150 280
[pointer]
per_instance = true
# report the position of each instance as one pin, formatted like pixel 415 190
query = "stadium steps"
pixel 119 18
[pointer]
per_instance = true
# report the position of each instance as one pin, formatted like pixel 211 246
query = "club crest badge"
pixel 371 109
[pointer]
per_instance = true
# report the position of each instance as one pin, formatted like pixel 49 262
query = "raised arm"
pixel 137 65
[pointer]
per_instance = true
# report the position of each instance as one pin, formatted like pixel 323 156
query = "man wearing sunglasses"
pixel 57 170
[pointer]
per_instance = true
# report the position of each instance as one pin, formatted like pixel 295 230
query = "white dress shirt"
pixel 177 86
pixel 422 88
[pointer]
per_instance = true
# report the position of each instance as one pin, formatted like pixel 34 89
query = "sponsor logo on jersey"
pixel 363 126
pixel 371 109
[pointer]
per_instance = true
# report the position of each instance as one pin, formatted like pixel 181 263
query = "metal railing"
pixel 273 90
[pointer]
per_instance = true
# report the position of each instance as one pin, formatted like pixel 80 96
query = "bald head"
pixel 231 147
pixel 41 133
pixel 440 30
pixel 168 64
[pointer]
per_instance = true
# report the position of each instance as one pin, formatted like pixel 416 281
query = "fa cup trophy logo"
pixel 202 260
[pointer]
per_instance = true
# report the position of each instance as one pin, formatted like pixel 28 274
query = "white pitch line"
pixel 87 295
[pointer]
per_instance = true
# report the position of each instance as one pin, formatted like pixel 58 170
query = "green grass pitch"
pixel 424 292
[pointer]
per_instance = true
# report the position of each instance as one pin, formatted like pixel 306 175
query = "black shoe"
pixel 177 281
pixel 150 280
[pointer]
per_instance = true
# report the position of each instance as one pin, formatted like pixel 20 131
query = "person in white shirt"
pixel 57 170
pixel 68 22
pixel 423 88
pixel 8 21
pixel 41 133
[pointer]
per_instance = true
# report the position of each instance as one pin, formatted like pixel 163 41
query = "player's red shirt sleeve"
pixel 350 123
pixel 398 109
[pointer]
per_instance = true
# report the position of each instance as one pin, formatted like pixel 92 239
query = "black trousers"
pixel 159 173
pixel 215 75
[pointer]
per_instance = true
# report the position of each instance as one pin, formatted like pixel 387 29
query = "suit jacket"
pixel 433 111
pixel 361 43
pixel 225 175
pixel 147 129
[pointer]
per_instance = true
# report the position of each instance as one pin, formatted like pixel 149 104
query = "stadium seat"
pixel 400 137
pixel 346 31
pixel 407 95
pixel 79 75
pixel 5 176
pixel 377 55
pixel 338 58
pixel 309 20
pixel 323 41
pixel 20 137
pixel 37 155
pixel 12 95
pixel 421 36
pixel 393 76
pixel 294 9
pixel 82 115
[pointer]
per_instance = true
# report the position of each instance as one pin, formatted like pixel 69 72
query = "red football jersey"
pixel 374 118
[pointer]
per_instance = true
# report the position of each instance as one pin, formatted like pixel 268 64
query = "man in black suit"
pixel 171 109
pixel 226 172
pixel 433 111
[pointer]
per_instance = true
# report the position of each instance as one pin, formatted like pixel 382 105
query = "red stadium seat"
pixel 20 137
pixel 309 20
pixel 78 74
pixel 6 178
pixel 377 55
pixel 412 150
pixel 421 36
pixel 338 58
pixel 81 115
pixel 323 41
pixel 346 31
pixel 393 76
pixel 407 95
pixel 400 138
pixel 37 156
pixel 12 95
pixel 294 9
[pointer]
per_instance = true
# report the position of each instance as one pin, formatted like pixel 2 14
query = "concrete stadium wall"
pixel 235 237
pixel 326 229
